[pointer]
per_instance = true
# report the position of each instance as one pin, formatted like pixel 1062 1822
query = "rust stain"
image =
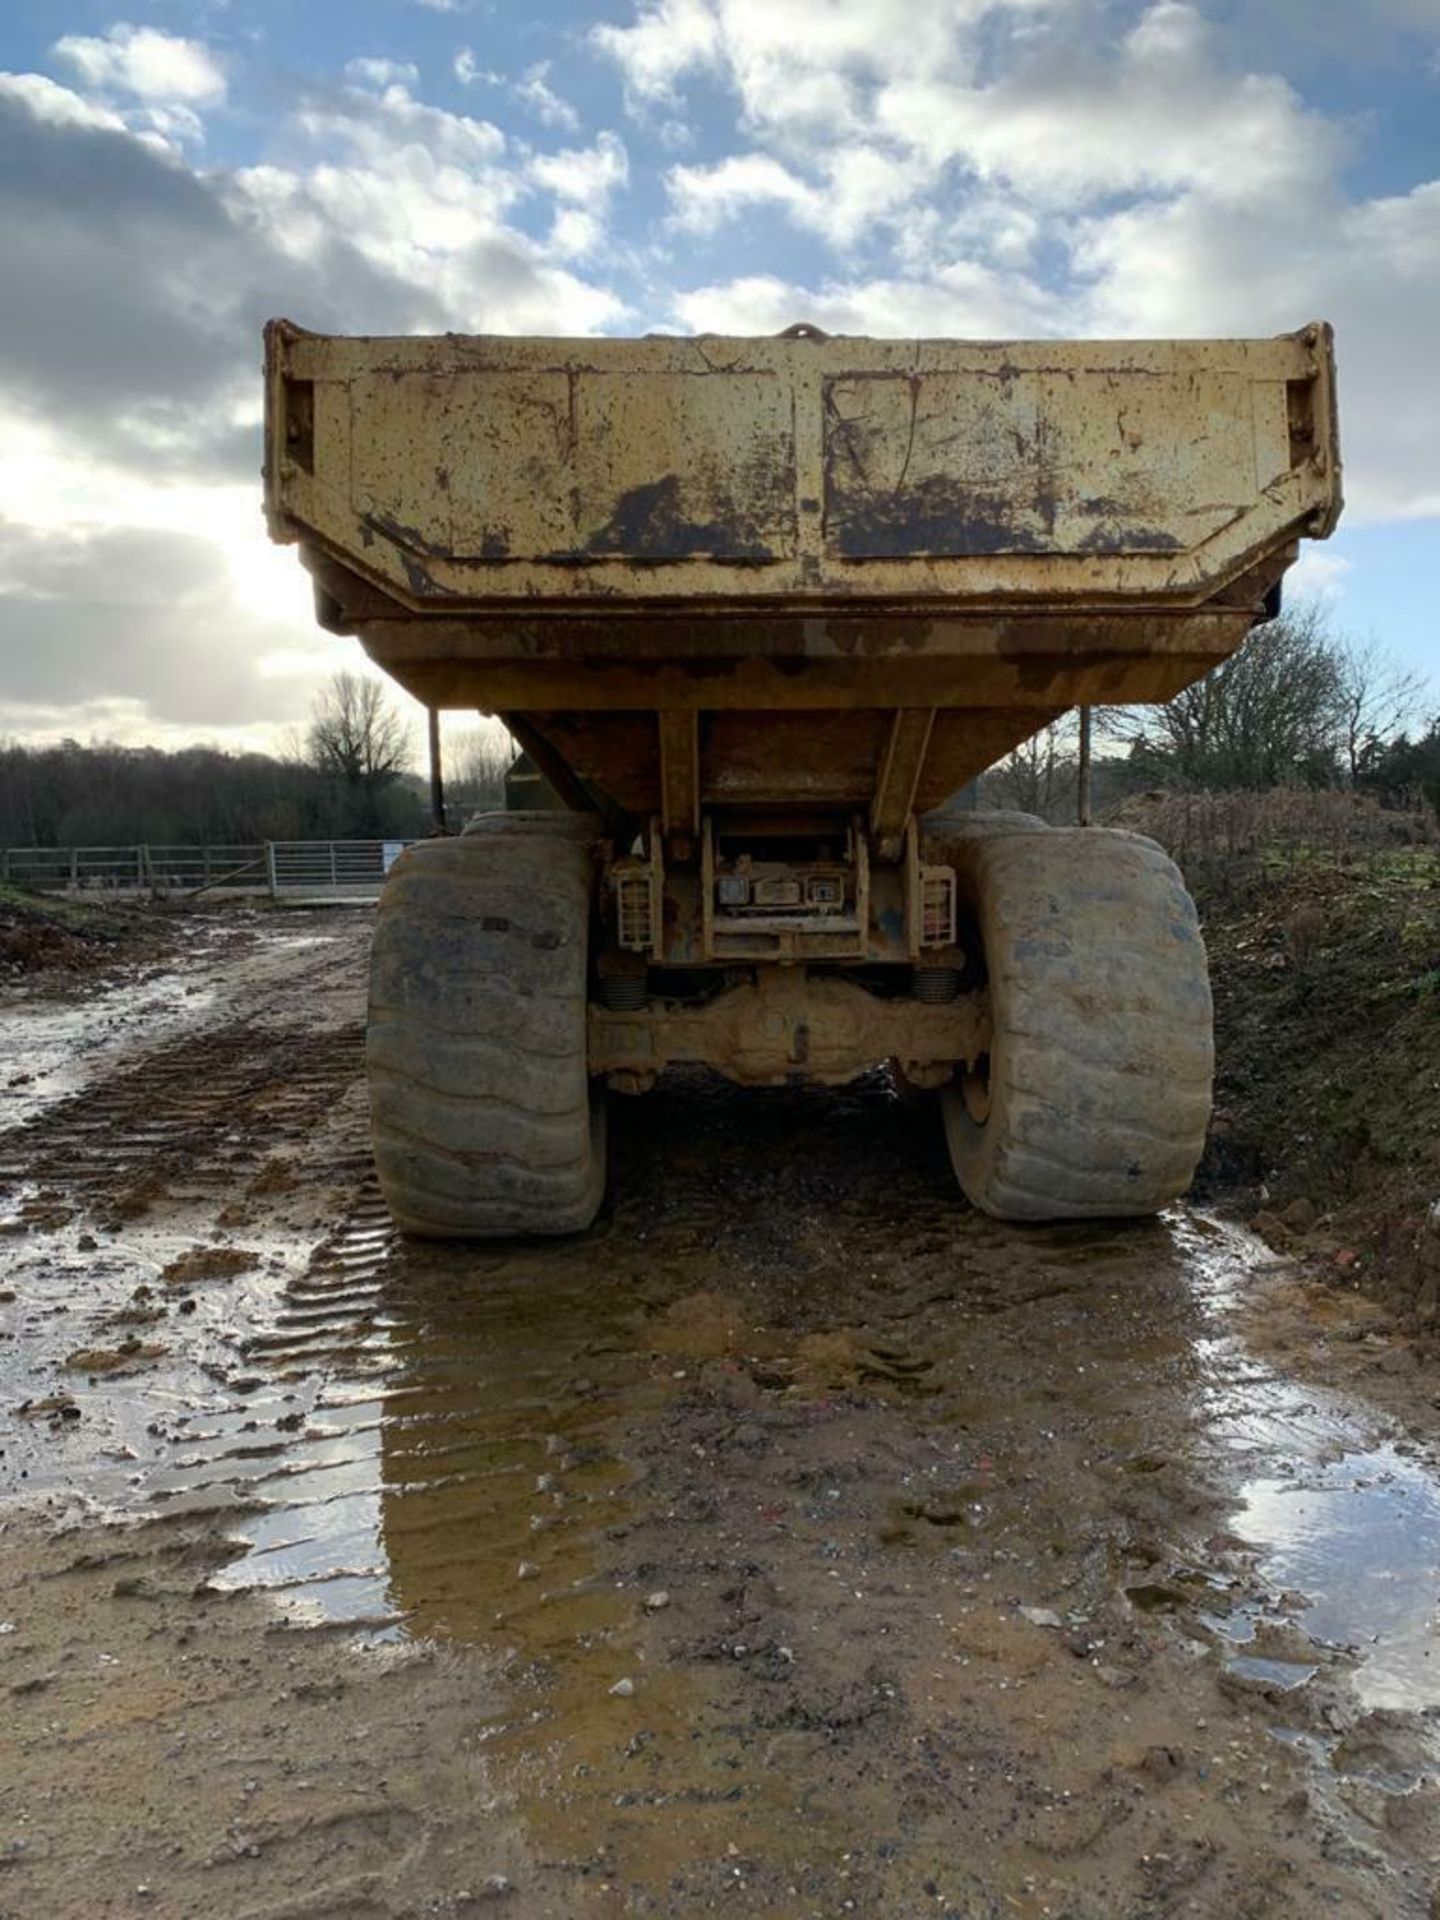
pixel 404 537
pixel 938 515
pixel 649 523
pixel 1112 539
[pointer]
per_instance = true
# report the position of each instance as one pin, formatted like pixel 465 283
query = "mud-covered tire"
pixel 977 824
pixel 483 1117
pixel 1095 1096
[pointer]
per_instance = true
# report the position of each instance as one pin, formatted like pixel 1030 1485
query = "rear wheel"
pixel 483 1116
pixel 1094 1095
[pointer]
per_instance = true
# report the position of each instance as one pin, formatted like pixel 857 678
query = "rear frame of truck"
pixel 757 608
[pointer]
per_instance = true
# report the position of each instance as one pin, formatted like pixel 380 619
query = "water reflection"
pixel 1360 1539
pixel 463 1494
pixel 1345 1528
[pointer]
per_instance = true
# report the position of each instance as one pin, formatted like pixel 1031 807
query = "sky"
pixel 173 174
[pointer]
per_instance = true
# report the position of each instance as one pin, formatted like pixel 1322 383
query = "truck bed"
pixel 592 533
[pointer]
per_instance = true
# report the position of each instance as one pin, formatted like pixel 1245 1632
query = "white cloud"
pixel 703 197
pixel 47 100
pixel 148 592
pixel 421 195
pixel 801 68
pixel 960 300
pixel 1317 575
pixel 861 186
pixel 584 174
pixel 381 125
pixel 382 73
pixel 147 63
pixel 533 89
pixel 582 180
pixel 136 286
pixel 1156 113
pixel 670 39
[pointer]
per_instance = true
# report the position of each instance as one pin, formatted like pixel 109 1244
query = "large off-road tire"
pixel 483 1116
pixel 1095 1094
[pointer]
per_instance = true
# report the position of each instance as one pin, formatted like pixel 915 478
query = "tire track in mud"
pixel 426 1431
pixel 210 1109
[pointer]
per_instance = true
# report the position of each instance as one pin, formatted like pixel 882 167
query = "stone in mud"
pixel 208 1263
pixel 1116 1677
pixel 1300 1216
pixel 129 1353
pixel 1270 1228
pixel 1161 1764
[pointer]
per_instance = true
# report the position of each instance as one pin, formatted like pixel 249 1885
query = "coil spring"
pixel 934 986
pixel 623 993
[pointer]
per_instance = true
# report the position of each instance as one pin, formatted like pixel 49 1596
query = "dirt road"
pixel 797 1543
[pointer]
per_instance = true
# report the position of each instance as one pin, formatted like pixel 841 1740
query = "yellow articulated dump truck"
pixel 757 608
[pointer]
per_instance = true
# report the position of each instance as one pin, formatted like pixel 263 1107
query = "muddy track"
pixel 207 1109
pixel 795 1543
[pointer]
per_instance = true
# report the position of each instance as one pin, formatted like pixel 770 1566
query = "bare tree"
pixel 356 734
pixel 1378 698
pixel 1269 716
pixel 1037 777
pixel 360 742
pixel 476 763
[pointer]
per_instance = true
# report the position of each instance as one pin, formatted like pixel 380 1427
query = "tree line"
pixel 1298 706
pixel 347 776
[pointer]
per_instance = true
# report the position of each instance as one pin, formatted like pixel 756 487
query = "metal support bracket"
pixel 901 765
pixel 680 772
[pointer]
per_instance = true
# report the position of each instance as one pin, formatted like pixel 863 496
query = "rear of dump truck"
pixel 755 608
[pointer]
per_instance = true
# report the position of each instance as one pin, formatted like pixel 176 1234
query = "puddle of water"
pixel 1281 1676
pixel 1360 1538
pixel 62 1046
pixel 1333 1512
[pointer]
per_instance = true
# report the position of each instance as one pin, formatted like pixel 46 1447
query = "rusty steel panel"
pixel 568 472
pixel 800 570
pixel 1006 462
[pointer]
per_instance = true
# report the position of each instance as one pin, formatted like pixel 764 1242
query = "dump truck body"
pixel 593 532
pixel 760 605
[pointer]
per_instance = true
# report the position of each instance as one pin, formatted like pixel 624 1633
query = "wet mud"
pixel 798 1542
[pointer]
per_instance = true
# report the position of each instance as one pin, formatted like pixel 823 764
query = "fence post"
pixel 334 877
pixel 74 869
pixel 270 869
pixel 144 873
